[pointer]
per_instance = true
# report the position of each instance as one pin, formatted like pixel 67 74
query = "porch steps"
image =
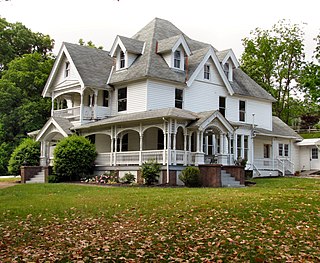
pixel 38 178
pixel 228 181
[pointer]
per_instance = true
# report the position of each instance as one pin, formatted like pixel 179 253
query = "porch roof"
pixel 279 129
pixel 61 124
pixel 309 142
pixel 144 115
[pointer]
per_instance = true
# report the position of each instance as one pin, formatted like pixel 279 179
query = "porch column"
pixel 52 103
pixel 43 158
pixel 81 107
pixel 221 146
pixel 111 146
pixel 120 146
pixel 185 149
pixel 225 142
pixel 189 150
pixel 169 144
pixel 201 141
pixel 140 149
pixel 198 141
pixel 95 104
pixel 164 146
pixel 174 148
pixel 115 150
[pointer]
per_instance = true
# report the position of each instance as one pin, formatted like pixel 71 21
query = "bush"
pixel 190 176
pixel 74 158
pixel 128 178
pixel 150 171
pixel 27 153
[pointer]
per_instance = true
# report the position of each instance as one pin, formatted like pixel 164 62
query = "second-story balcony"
pixel 89 113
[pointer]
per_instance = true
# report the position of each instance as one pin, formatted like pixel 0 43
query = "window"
pixel 91 100
pixel 105 102
pixel 242 110
pixel 231 146
pixel 122 99
pixel 226 69
pixel 122 60
pixel 222 106
pixel 160 144
pixel 67 69
pixel 266 150
pixel 210 145
pixel 177 59
pixel 178 98
pixel 206 72
pixel 283 149
pixel 314 153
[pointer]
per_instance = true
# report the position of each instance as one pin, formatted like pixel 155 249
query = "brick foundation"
pixel 210 175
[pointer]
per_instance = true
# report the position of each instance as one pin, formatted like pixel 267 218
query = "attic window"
pixel 122 60
pixel 177 59
pixel 67 69
pixel 206 72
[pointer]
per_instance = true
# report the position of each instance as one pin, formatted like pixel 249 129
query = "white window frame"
pixel 122 60
pixel 242 111
pixel 206 71
pixel 67 69
pixel 177 62
pixel 314 153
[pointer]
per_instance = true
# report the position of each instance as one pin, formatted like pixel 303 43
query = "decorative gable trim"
pixel 117 42
pixel 56 66
pixel 216 116
pixel 171 44
pixel 50 122
pixel 211 54
pixel 181 41
pixel 231 55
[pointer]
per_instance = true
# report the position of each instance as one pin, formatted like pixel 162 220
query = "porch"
pixel 272 167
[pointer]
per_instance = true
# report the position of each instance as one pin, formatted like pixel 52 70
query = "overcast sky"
pixel 221 23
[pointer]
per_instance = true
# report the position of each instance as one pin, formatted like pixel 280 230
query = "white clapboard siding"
pixel 60 77
pixel 203 96
pixel 136 97
pixel 160 95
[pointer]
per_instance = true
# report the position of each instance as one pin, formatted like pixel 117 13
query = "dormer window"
pixel 67 69
pixel 206 74
pixel 177 59
pixel 226 69
pixel 122 59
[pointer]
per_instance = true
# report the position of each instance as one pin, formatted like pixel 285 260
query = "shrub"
pixel 74 158
pixel 27 153
pixel 190 176
pixel 150 171
pixel 128 178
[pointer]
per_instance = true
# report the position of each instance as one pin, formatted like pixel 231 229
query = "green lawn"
pixel 277 220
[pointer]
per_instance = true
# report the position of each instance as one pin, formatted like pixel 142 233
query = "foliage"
pixel 128 178
pixel 190 176
pixel 5 151
pixel 74 158
pixel 150 171
pixel 17 40
pixel 161 224
pixel 88 44
pixel 273 58
pixel 310 135
pixel 26 154
pixel 105 178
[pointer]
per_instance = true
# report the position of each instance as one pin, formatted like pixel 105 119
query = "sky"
pixel 223 24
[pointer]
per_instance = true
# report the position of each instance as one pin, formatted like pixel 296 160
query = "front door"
pixel 314 160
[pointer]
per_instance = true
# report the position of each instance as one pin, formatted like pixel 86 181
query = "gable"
pixel 57 75
pixel 214 76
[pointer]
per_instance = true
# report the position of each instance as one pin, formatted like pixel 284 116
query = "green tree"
pixel 74 158
pixel 17 40
pixel 27 153
pixel 190 176
pixel 273 58
pixel 88 44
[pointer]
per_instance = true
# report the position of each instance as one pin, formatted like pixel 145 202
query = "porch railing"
pixel 67 113
pixel 281 165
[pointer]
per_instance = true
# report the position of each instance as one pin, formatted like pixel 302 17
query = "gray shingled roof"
pixel 222 54
pixel 144 115
pixel 165 45
pixel 279 128
pixel 64 124
pixel 243 85
pixel 132 45
pixel 94 65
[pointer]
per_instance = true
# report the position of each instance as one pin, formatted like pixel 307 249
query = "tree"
pixel 309 80
pixel 74 158
pixel 190 176
pixel 88 44
pixel 27 153
pixel 17 40
pixel 273 58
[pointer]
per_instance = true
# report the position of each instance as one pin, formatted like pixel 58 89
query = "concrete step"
pixel 38 178
pixel 228 181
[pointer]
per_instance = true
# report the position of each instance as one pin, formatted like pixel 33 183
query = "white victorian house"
pixel 162 95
